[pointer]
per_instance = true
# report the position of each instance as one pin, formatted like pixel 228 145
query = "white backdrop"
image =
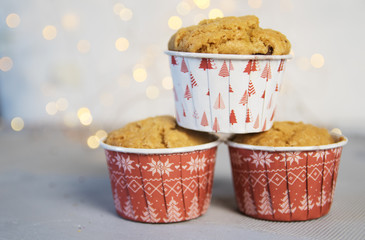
pixel 46 82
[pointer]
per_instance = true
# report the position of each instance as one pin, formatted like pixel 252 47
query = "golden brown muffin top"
pixel 230 35
pixel 156 132
pixel 288 134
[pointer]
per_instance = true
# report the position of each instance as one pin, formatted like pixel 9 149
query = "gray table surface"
pixel 52 186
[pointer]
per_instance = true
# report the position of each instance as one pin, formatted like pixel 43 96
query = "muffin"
pixel 227 73
pixel 287 173
pixel 159 172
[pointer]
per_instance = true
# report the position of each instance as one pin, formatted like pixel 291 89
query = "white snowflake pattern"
pixel 237 158
pixel 160 167
pixel 292 157
pixel 261 158
pixel 126 163
pixel 197 164
pixel 321 154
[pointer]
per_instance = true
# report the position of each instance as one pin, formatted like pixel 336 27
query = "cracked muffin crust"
pixel 156 132
pixel 230 35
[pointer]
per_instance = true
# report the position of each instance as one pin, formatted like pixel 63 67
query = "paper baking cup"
pixel 285 183
pixel 161 185
pixel 224 92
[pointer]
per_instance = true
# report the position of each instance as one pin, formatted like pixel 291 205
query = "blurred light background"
pixel 96 65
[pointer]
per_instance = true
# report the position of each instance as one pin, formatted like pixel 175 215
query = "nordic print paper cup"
pixel 226 93
pixel 285 183
pixel 161 185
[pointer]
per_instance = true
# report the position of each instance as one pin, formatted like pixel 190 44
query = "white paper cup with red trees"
pixel 161 185
pixel 285 183
pixel 226 93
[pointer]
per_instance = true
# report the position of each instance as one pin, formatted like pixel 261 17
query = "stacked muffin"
pixel 227 73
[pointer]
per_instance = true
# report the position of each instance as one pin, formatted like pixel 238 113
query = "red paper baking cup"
pixel 161 185
pixel 226 93
pixel 285 183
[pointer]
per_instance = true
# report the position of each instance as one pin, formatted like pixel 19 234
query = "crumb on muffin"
pixel 288 134
pixel 156 132
pixel 230 35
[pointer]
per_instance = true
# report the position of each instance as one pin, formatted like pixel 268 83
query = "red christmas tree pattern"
pixel 224 70
pixel 187 94
pixel 251 67
pixel 193 82
pixel 219 104
pixel 204 121
pixel 277 87
pixel 251 89
pixel 232 118
pixel 184 113
pixel 281 65
pixel 267 72
pixel 248 116
pixel 177 117
pixel 173 60
pixel 244 99
pixel 216 125
pixel 208 93
pixel 273 115
pixel 263 94
pixel 264 127
pixel 184 68
pixel 230 88
pixel 257 122
pixel 206 63
pixel 230 66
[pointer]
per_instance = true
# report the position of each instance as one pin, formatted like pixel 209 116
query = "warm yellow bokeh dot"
pixel 121 44
pixel 6 64
pixel 183 8
pixel 167 83
pixel 62 104
pixel 202 4
pixel 317 60
pixel 83 46
pixel 51 108
pixel 139 74
pixel 117 8
pixel 84 116
pixel 152 92
pixel 70 22
pixel 101 134
pixel 215 13
pixel 126 14
pixel 93 142
pixel 13 20
pixel 17 124
pixel 49 32
pixel 174 22
pixel 255 3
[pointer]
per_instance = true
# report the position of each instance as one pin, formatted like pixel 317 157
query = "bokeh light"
pixel 126 14
pixel 84 116
pixel 152 92
pixel 93 142
pixel 202 4
pixel 51 108
pixel 121 44
pixel 167 83
pixel 83 46
pixel 183 8
pixel 139 74
pixel 317 60
pixel 6 64
pixel 13 20
pixel 255 3
pixel 174 22
pixel 70 22
pixel 101 134
pixel 117 8
pixel 215 13
pixel 17 124
pixel 49 32
pixel 62 104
